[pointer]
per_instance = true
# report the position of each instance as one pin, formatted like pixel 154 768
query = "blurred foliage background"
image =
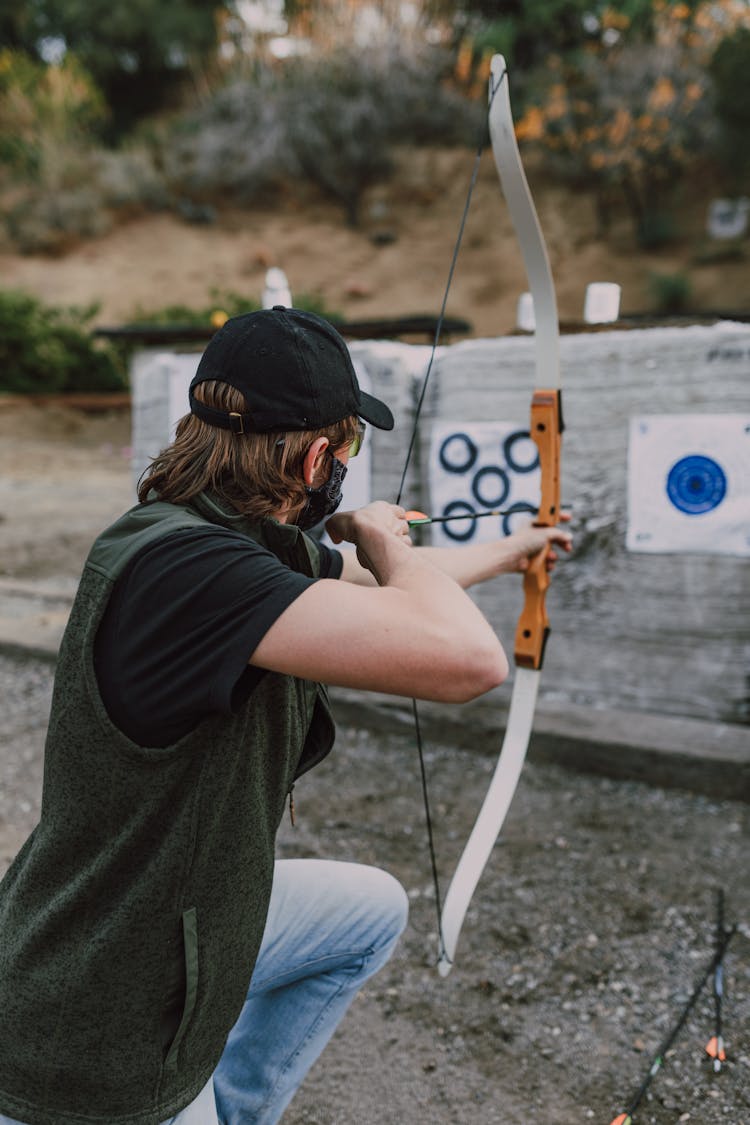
pixel 109 108
pixel 123 104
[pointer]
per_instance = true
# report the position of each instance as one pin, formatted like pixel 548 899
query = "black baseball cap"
pixel 294 370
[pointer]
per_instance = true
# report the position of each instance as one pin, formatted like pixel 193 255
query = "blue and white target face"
pixel 479 467
pixel 696 484
pixel 689 484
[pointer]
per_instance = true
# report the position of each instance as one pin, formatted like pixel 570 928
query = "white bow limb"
pixel 523 700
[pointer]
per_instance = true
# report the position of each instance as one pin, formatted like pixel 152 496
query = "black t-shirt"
pixel 183 620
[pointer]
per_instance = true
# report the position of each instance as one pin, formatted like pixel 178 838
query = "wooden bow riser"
pixel 533 624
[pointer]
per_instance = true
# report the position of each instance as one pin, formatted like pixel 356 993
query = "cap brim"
pixel 375 412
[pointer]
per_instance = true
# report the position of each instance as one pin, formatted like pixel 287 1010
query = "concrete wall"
pixel 668 634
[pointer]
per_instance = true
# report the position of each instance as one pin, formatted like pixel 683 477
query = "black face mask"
pixel 324 500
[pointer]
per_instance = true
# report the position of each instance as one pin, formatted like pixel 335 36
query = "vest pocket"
pixel 190 945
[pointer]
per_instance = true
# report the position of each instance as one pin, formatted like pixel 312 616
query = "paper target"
pixel 689 484
pixel 478 467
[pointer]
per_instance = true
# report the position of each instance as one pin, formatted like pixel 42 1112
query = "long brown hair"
pixel 256 473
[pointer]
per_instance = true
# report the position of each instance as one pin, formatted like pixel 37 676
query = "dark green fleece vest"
pixel 143 857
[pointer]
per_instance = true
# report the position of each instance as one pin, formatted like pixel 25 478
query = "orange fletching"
pixel 713 1049
pixel 623 1119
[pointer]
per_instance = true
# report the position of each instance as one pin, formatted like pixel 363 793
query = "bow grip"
pixel 533 624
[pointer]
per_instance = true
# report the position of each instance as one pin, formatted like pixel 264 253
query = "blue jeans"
pixel 330 927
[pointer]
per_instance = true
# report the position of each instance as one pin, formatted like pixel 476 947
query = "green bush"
pixel 730 71
pixel 188 316
pixel 222 301
pixel 62 185
pixel 671 292
pixel 48 117
pixel 656 229
pixel 48 350
pixel 331 120
pixel 50 223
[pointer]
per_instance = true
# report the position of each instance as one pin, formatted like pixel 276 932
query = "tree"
pixel 633 112
pixel 529 32
pixel 47 115
pixel 730 71
pixel 138 51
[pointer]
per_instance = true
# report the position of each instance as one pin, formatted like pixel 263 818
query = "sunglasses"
pixel 356 445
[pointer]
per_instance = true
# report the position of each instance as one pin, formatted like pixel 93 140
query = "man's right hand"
pixel 369 529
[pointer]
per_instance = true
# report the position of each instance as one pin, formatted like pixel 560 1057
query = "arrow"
pixel 715 1045
pixel 658 1060
pixel 419 519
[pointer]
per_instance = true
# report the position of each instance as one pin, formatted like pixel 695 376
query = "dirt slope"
pixel 395 265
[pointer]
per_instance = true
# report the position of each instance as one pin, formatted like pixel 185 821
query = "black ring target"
pixel 457 508
pixel 510 461
pixel 514 509
pixel 484 477
pixel 447 457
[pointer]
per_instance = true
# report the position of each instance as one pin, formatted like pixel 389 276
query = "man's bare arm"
pixel 478 562
pixel 414 633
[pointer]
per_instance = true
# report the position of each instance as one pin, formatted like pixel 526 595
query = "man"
pixel 188 699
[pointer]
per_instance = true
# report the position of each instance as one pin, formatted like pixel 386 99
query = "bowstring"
pixel 494 87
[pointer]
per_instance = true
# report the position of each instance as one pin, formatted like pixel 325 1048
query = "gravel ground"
pixel 589 928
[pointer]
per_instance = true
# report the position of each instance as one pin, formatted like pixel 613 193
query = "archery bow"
pixel 715 1046
pixel 546 431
